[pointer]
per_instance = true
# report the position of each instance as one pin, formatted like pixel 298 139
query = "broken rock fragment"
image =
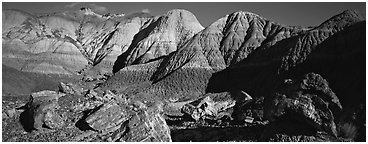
pixel 130 121
pixel 70 88
pixel 107 117
pixel 147 125
pixel 307 100
pixel 42 110
pixel 213 106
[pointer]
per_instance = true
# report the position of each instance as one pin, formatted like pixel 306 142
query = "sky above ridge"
pixel 287 13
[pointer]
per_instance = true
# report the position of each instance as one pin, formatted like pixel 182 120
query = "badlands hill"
pixel 302 82
pixel 243 51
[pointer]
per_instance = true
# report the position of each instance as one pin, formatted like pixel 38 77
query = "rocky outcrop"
pixel 132 122
pixel 148 125
pixel 217 107
pixel 207 108
pixel 70 88
pixel 41 111
pixel 107 117
pixel 308 100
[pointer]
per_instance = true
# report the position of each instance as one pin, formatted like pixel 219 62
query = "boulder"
pixel 107 117
pixel 211 107
pixel 70 88
pixel 42 109
pixel 307 100
pixel 104 96
pixel 249 111
pixel 194 112
pixel 130 121
pixel 147 125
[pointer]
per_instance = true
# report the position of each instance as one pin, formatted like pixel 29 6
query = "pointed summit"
pixel 159 37
pixel 226 42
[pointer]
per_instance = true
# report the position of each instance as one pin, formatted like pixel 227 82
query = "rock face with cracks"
pixel 216 106
pixel 132 122
pixel 70 88
pixel 308 100
pixel 42 110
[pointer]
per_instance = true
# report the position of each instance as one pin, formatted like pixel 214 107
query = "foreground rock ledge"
pixel 131 122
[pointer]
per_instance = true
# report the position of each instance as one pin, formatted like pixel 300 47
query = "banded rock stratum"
pixel 123 74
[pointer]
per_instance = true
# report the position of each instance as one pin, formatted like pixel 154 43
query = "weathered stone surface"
pixel 216 106
pixel 107 116
pixel 308 100
pixel 130 121
pixel 192 111
pixel 70 88
pixel 315 82
pixel 212 106
pixel 249 110
pixel 147 125
pixel 42 107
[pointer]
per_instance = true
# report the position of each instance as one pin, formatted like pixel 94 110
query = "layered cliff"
pixel 68 41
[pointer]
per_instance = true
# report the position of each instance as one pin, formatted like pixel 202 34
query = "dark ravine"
pixel 82 76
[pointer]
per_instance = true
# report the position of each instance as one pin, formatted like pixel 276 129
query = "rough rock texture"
pixel 249 111
pixel 207 108
pixel 70 88
pixel 216 106
pixel 107 117
pixel 147 125
pixel 132 122
pixel 42 111
pixel 308 100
